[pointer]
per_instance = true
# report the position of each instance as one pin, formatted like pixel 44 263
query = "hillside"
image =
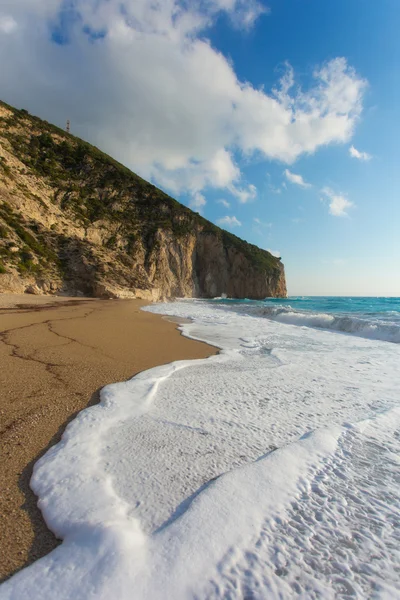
pixel 74 220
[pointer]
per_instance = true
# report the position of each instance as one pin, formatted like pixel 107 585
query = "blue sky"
pixel 279 119
pixel 323 254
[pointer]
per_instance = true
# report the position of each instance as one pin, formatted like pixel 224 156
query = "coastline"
pixel 248 450
pixel 56 354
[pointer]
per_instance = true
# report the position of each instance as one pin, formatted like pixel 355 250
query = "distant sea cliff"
pixel 74 220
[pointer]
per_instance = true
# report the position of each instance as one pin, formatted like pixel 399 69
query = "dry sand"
pixel 54 358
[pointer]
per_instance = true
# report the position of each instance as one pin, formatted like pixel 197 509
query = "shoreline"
pixel 57 353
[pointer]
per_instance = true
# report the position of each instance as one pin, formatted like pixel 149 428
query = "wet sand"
pixel 55 355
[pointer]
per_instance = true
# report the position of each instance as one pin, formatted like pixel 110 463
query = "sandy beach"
pixel 56 354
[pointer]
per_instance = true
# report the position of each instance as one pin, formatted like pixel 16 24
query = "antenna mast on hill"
pixel 68 126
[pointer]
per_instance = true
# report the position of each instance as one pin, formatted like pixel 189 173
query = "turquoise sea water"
pixel 375 318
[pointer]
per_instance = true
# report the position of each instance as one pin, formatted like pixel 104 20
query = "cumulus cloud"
pixel 338 204
pixel 296 179
pixel 244 194
pixel 354 153
pixel 142 81
pixel 198 201
pixel 229 222
pixel 7 24
pixel 246 12
pixel 224 203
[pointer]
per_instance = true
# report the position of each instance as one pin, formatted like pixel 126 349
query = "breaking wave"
pixel 376 329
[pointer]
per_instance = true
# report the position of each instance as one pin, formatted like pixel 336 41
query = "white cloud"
pixel 146 85
pixel 244 195
pixel 296 179
pixel 7 24
pixel 246 12
pixel 354 153
pixel 224 203
pixel 291 122
pixel 338 204
pixel 229 222
pixel 275 253
pixel 262 223
pixel 198 201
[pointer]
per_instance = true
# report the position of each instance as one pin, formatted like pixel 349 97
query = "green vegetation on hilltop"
pixel 33 252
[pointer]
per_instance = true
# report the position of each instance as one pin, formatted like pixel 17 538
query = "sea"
pixel 268 471
pixel 375 318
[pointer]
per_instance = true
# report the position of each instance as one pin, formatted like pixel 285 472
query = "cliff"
pixel 74 220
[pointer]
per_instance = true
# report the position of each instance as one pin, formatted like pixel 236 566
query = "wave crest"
pixel 362 327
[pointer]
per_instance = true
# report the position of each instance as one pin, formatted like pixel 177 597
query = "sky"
pixel 278 120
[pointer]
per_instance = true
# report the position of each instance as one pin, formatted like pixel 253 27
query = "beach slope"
pixel 55 355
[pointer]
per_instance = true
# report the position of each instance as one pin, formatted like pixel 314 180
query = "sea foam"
pixel 371 327
pixel 268 470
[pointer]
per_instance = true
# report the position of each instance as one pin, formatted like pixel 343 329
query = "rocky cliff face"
pixel 73 220
pixel 224 269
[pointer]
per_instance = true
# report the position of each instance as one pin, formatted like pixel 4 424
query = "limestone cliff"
pixel 74 220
